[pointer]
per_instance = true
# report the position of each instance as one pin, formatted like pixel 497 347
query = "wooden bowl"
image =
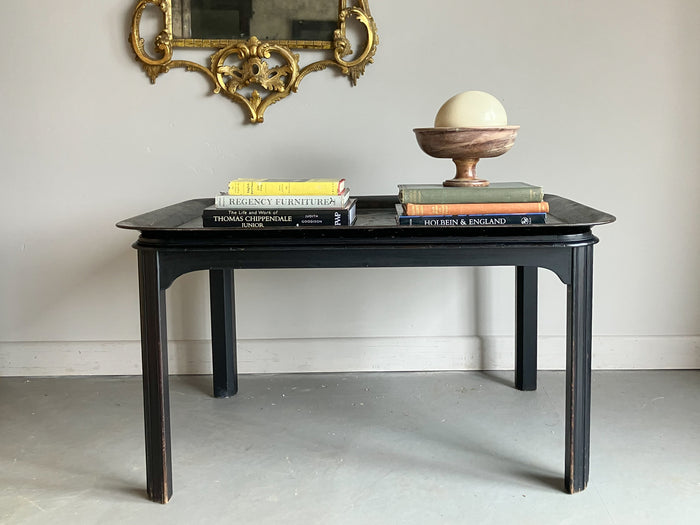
pixel 465 146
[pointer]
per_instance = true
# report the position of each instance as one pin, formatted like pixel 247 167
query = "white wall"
pixel 607 96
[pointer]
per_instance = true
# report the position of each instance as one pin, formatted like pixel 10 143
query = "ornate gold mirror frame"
pixel 236 66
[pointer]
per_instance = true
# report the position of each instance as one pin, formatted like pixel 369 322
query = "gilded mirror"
pixel 256 44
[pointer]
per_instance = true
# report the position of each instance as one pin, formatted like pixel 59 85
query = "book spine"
pixel 477 209
pixel 277 218
pixel 271 202
pixel 523 219
pixel 456 196
pixel 286 187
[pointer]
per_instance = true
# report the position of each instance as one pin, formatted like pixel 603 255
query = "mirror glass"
pixel 271 20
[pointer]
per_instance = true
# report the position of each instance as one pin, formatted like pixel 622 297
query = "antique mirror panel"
pixel 256 44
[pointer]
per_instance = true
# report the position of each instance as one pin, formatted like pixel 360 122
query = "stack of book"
pixel 274 203
pixel 499 203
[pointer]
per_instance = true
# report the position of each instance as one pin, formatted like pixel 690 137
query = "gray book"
pixel 494 192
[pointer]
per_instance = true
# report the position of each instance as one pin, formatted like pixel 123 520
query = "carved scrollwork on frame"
pixel 356 67
pixel 163 41
pixel 251 72
pixel 255 70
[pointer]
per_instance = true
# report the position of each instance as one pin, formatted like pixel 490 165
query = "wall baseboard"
pixel 363 354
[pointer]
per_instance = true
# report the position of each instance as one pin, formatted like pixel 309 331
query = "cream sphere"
pixel 471 109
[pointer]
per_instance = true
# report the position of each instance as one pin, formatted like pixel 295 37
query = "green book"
pixel 494 192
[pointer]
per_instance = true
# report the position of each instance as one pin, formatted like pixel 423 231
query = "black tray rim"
pixel 172 218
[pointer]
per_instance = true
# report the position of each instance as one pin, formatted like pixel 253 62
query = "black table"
pixel 173 242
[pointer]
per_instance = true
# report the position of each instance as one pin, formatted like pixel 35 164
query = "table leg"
pixel 156 396
pixel 578 369
pixel 223 332
pixel 526 327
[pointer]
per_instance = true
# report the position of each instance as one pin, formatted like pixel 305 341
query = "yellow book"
pixel 286 186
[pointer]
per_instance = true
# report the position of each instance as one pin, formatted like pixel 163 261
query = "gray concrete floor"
pixel 399 448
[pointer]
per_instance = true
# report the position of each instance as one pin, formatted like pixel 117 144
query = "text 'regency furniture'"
pixel 173 242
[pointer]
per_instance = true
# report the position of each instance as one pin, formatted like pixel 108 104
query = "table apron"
pixel 171 263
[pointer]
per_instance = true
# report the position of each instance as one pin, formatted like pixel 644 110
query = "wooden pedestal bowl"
pixel 465 146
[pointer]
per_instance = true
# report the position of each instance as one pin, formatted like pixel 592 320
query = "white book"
pixel 271 202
